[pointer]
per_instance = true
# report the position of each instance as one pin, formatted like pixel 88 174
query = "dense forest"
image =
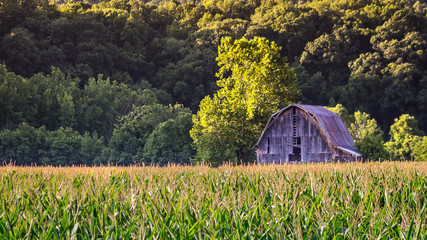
pixel 118 82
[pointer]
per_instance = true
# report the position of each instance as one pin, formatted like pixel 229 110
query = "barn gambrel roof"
pixel 329 122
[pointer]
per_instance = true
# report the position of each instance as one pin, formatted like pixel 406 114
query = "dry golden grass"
pixel 406 167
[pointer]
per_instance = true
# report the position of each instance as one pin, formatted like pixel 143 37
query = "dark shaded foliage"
pixel 368 56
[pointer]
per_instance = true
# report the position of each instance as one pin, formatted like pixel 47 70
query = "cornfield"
pixel 316 201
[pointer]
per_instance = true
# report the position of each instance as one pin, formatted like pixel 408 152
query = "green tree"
pixel 130 135
pixel 67 115
pixel 19 50
pixel 363 126
pixel 404 134
pixel 103 102
pixel 54 99
pixel 419 150
pixel 23 144
pixel 211 34
pixel 170 142
pixel 194 71
pixel 255 81
pixel 289 25
pixel 67 147
pixel 329 55
pixel 231 8
pixel 64 146
pixel 367 136
pixel 17 99
pixel 403 126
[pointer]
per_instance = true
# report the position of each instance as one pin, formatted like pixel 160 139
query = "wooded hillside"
pixel 93 70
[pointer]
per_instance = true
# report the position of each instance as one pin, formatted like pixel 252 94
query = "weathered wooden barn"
pixel 303 134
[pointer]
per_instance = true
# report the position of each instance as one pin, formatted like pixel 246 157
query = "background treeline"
pixel 120 67
pixel 48 119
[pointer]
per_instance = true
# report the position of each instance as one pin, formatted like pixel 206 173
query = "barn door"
pixel 296 156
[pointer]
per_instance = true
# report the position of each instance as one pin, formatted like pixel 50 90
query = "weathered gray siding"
pixel 277 142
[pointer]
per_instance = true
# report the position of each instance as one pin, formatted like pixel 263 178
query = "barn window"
pixel 268 144
pixel 297 141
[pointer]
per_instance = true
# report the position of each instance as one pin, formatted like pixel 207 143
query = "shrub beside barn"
pixel 305 134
